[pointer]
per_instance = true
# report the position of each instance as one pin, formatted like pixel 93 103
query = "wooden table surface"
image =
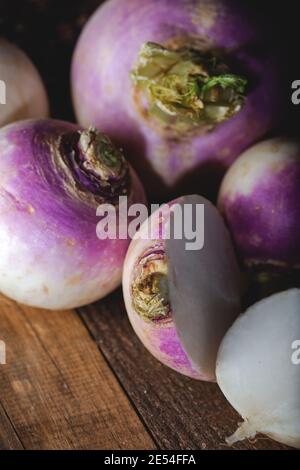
pixel 82 380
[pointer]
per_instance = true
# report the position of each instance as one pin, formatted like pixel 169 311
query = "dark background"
pixel 48 29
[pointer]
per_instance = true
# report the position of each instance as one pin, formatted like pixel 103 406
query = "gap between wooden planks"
pixel 56 390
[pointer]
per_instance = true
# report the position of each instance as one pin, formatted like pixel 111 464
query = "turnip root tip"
pixel 258 369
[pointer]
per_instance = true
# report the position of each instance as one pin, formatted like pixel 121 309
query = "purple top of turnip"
pixel 54 175
pixel 260 200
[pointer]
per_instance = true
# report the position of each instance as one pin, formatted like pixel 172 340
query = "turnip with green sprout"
pixel 189 83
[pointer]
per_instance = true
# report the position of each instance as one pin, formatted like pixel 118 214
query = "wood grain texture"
pixel 9 440
pixel 56 390
pixel 180 412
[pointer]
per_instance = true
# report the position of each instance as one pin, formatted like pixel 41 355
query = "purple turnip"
pixel 53 176
pixel 260 200
pixel 181 302
pixel 190 82
pixel 21 86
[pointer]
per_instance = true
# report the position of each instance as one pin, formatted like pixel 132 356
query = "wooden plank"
pixel 57 389
pixel 9 439
pixel 180 412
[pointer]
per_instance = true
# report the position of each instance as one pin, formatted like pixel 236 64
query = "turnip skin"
pixel 50 255
pixel 260 200
pixel 160 337
pixel 25 93
pixel 184 337
pixel 256 373
pixel 103 96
